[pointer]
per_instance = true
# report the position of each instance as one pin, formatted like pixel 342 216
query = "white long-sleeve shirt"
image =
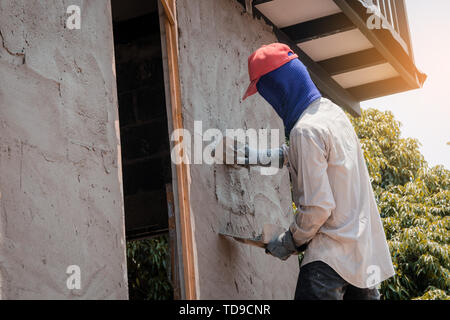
pixel 337 211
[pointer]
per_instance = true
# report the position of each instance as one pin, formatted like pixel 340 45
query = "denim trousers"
pixel 318 281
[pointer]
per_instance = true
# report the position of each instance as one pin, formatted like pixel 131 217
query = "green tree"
pixel 414 203
pixel 148 265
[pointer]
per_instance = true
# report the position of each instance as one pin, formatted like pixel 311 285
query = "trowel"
pixel 261 241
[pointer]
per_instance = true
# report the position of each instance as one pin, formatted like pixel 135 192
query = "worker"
pixel 337 223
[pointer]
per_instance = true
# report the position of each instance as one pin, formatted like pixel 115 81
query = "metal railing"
pixel 394 17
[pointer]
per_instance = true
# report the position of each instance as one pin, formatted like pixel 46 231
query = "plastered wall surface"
pixel 60 181
pixel 216 37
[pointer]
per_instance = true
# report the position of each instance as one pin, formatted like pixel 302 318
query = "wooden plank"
pixel 174 265
pixel 168 12
pixel 380 88
pixel 353 61
pixel 327 85
pixel 319 28
pixel 182 168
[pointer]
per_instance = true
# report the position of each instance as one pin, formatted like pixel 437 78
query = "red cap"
pixel 264 60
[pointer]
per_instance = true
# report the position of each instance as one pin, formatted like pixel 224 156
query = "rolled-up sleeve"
pixel 308 156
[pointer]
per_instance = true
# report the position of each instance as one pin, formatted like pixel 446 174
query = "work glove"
pixel 282 246
pixel 264 158
pixel 231 152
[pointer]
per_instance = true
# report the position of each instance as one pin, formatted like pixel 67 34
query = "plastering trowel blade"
pixel 261 241
pixel 256 242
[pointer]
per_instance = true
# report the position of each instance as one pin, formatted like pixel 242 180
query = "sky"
pixel 425 113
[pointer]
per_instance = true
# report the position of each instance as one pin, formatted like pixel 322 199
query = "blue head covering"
pixel 290 90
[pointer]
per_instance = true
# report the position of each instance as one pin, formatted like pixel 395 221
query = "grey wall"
pixel 216 37
pixel 61 200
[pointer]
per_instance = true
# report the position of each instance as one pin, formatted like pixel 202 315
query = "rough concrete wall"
pixel 60 182
pixel 216 37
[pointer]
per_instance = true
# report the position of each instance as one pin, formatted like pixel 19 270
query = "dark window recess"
pixel 143 123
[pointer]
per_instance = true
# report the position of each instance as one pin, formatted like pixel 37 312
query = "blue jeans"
pixel 318 281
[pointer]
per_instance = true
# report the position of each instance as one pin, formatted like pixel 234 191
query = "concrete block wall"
pixel 60 175
pixel 215 39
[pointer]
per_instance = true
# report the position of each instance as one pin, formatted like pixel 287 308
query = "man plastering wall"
pixel 337 223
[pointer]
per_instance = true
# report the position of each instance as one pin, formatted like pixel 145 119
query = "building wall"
pixel 60 180
pixel 215 39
